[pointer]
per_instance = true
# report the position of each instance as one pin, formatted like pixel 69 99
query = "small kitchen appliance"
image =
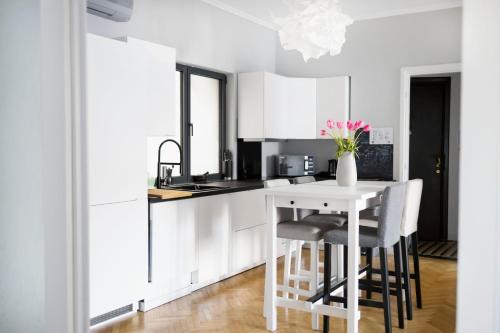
pixel 332 168
pixel 227 165
pixel 294 165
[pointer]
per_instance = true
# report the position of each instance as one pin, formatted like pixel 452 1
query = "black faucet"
pixel 167 179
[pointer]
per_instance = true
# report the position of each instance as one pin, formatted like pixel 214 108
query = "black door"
pixel 429 128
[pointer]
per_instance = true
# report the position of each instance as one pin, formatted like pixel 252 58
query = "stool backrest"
pixel 304 180
pixel 284 214
pixel 391 215
pixel 412 207
pixel 276 182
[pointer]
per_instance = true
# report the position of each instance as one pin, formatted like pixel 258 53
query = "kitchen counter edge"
pixel 230 186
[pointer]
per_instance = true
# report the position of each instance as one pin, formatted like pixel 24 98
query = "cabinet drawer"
pixel 326 204
pixel 247 209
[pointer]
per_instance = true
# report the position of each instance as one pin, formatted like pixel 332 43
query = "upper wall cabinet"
pixel 301 115
pixel 277 107
pixel 158 63
pixel 116 123
pixel 333 101
pixel 258 94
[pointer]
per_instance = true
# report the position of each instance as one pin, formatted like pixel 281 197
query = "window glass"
pixel 205 120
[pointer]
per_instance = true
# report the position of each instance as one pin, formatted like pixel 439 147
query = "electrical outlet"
pixel 382 136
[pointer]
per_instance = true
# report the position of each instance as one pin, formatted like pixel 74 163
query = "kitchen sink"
pixel 196 187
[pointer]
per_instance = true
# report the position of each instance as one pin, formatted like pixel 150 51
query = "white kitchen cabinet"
pixel 275 106
pixel 213 233
pixel 247 213
pixel 159 66
pixel 200 241
pixel 173 251
pixel 262 106
pixel 333 101
pixel 116 127
pixel 301 117
pixel 117 256
pixel 271 106
pixel 247 209
pixel 249 248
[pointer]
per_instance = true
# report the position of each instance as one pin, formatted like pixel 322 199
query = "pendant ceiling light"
pixel 313 27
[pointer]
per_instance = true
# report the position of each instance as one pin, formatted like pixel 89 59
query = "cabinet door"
pixel 116 129
pixel 173 246
pixel 275 106
pixel 251 105
pixel 333 101
pixel 249 248
pixel 117 255
pixel 213 239
pixel 301 113
pixel 247 209
pixel 158 63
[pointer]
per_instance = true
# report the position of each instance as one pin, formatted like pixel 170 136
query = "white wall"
pixel 204 36
pixel 479 226
pixel 35 245
pixel 373 55
pixel 21 236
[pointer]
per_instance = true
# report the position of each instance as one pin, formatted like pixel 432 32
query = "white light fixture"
pixel 313 27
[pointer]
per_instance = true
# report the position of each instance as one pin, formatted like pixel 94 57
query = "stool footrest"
pixel 339 284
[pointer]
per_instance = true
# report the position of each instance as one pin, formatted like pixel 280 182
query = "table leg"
pixel 353 267
pixel 271 288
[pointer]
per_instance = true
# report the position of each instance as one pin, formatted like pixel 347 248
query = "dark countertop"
pixel 230 186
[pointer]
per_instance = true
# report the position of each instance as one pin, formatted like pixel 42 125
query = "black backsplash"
pixel 374 161
pixel 249 160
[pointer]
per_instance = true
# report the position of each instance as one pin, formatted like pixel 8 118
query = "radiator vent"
pixel 111 314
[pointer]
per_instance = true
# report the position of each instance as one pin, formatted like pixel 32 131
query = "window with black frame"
pixel 201 109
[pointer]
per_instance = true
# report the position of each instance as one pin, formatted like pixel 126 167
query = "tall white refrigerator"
pixel 118 208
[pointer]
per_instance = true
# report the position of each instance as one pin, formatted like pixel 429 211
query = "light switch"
pixel 382 136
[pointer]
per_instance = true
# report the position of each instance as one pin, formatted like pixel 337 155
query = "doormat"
pixel 438 249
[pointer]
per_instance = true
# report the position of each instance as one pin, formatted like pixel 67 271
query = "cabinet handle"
pixel 325 204
pixel 292 202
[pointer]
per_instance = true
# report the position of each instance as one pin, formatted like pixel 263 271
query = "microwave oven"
pixel 294 165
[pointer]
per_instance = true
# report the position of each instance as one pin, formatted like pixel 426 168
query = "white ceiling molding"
pixel 360 17
pixel 406 11
pixel 230 9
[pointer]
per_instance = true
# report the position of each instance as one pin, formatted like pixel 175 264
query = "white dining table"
pixel 322 195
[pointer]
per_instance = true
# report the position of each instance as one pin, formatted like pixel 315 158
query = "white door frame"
pixel 404 133
pixel 70 16
pixel 77 41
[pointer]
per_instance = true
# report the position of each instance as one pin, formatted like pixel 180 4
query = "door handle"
pixel 438 165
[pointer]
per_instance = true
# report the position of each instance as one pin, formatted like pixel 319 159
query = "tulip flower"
pixel 350 125
pixel 349 143
pixel 358 124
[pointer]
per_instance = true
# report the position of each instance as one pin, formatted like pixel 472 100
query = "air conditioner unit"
pixel 116 10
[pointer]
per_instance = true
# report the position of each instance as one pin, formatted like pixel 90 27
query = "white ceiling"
pixel 263 11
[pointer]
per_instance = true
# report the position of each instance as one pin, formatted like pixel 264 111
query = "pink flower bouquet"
pixel 345 143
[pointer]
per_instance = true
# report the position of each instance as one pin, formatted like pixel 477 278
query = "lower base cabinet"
pixel 212 240
pixel 117 258
pixel 249 248
pixel 172 253
pixel 200 241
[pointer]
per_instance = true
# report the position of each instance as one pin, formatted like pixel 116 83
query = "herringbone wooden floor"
pixel 235 305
